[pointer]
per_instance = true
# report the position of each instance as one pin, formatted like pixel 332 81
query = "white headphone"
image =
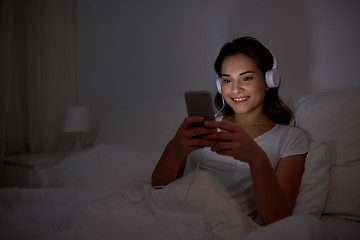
pixel 272 76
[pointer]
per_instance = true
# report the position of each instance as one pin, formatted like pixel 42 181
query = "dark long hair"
pixel 274 107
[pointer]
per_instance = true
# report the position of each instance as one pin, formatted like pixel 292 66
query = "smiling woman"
pixel 263 65
pixel 251 149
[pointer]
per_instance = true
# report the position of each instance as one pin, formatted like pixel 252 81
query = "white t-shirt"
pixel 281 141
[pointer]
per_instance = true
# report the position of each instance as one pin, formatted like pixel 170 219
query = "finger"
pixel 196 144
pixel 195 133
pixel 200 132
pixel 191 120
pixel 222 146
pixel 200 143
pixel 195 137
pixel 220 136
pixel 186 125
pixel 221 125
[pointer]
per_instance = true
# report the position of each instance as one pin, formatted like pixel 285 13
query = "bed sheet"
pixel 103 193
pixel 195 207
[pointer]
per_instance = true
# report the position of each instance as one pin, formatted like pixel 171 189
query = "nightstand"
pixel 23 170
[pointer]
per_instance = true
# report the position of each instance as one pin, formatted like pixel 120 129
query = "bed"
pixel 104 192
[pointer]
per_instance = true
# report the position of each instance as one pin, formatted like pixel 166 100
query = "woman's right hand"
pixel 188 137
pixel 186 140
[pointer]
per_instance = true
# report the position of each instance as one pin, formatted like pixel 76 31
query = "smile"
pixel 240 99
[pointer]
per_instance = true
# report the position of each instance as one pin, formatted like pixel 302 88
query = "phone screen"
pixel 199 103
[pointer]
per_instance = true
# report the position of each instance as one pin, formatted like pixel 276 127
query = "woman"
pixel 256 153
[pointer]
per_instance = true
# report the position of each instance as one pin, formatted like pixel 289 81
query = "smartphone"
pixel 200 103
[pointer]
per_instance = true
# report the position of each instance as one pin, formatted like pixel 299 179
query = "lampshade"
pixel 77 119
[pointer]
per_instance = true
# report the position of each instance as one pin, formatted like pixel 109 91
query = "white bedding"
pixel 104 191
pixel 120 204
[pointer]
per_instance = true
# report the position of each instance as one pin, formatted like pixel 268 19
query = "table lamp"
pixel 77 120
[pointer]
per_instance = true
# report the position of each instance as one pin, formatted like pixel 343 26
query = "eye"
pixel 226 80
pixel 247 78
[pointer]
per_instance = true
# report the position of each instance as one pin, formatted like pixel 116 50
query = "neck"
pixel 253 119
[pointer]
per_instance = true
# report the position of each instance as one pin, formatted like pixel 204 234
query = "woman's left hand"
pixel 233 141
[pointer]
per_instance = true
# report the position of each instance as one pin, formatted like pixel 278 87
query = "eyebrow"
pixel 243 73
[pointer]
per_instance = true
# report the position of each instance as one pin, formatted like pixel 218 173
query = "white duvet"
pixel 103 193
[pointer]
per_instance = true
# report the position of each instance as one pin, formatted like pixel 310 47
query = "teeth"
pixel 239 99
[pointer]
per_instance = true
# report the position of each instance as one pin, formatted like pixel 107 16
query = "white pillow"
pixel 335 117
pixel 315 181
pixel 344 193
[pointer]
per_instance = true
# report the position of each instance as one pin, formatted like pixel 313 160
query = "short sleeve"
pixel 297 143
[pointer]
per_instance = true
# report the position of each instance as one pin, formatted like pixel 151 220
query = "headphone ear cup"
pixel 218 85
pixel 272 78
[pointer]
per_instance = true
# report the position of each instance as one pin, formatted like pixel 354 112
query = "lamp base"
pixel 78 147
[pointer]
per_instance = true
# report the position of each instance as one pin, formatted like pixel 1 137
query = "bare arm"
pixel 275 192
pixel 172 162
pixel 169 168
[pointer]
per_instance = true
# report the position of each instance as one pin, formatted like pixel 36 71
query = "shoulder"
pixel 291 130
pixel 292 133
pixel 286 131
pixel 294 138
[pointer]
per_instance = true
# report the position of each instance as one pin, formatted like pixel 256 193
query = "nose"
pixel 237 87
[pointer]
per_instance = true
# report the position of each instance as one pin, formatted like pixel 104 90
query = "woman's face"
pixel 243 84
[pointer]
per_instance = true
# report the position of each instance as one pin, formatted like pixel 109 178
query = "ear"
pixel 266 86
